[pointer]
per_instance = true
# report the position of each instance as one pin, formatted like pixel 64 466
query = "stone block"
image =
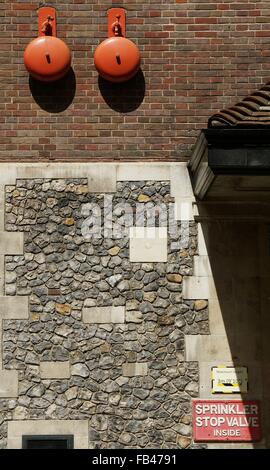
pixel 202 249
pixel 8 383
pixel 1 349
pixel 148 245
pixel 199 288
pixel 103 315
pixel 2 208
pixel 2 275
pixel 180 181
pixel 143 172
pixel 202 267
pixel 183 209
pixel 206 348
pixel 131 369
pixel 55 370
pixel 102 179
pixel 11 243
pixel 14 308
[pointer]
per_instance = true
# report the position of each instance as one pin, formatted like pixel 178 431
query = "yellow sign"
pixel 227 379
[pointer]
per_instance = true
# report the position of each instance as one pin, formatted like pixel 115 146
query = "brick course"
pixel 197 57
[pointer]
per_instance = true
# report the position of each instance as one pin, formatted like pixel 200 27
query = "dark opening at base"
pixel 48 442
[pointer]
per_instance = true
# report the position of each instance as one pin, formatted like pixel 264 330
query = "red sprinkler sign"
pixel 226 420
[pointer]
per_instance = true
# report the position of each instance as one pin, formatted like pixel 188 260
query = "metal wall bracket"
pixel 116 22
pixel 47 21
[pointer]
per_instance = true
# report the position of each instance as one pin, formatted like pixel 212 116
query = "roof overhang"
pixel 231 164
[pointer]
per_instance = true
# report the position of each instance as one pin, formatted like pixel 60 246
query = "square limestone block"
pixel 11 243
pixel 8 383
pixel 148 245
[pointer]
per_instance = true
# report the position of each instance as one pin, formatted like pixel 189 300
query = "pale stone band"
pixel 79 429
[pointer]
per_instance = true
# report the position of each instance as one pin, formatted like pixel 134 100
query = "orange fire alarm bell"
pixel 117 59
pixel 47 58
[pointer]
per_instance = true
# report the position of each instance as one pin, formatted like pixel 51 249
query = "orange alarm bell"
pixel 47 58
pixel 117 59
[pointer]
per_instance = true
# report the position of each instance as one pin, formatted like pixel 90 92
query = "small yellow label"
pixel 228 379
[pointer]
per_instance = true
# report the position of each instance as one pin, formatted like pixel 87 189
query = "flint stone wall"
pixel 129 379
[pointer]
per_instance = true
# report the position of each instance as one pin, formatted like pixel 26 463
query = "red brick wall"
pixel 196 58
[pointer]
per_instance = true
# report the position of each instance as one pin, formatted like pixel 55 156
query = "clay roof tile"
pixel 252 111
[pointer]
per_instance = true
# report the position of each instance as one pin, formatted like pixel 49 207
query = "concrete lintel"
pixel 101 178
pixel 14 308
pixel 124 171
pixel 8 383
pixel 79 428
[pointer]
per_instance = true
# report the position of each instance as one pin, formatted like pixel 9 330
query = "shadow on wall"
pixel 123 97
pixel 54 97
pixel 239 258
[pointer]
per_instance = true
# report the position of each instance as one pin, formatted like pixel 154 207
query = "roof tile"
pixel 253 111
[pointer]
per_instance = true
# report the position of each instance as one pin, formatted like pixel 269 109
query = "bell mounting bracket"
pixel 116 22
pixel 47 21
